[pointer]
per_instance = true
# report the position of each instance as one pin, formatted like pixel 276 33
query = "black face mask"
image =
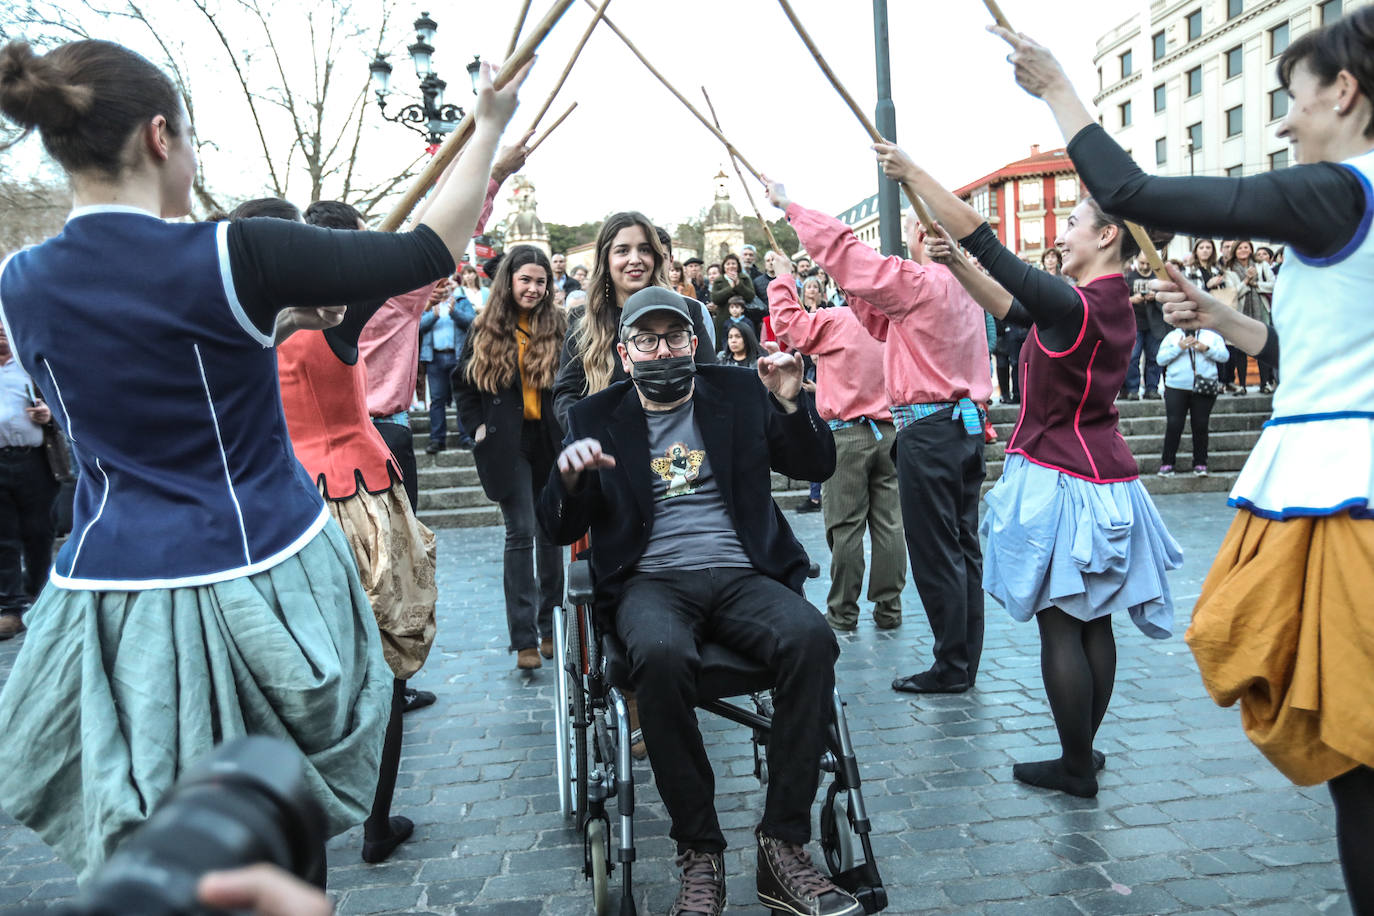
pixel 664 381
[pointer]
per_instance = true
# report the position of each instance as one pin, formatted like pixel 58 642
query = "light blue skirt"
pixel 1055 540
pixel 114 694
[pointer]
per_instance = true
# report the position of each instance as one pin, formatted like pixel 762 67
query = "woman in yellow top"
pixel 504 388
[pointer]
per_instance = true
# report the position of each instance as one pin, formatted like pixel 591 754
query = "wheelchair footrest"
pixel 863 882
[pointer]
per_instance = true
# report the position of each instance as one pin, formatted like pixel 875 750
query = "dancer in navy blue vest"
pixel 204 593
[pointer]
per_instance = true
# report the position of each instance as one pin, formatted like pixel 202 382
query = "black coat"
pixel 504 416
pixel 745 434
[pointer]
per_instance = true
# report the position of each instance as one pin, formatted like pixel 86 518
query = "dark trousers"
pixel 1147 345
pixel 440 378
pixel 1008 380
pixel 27 492
pixel 401 441
pixel 663 619
pixel 940 471
pixel 1237 369
pixel 1177 403
pixel 529 600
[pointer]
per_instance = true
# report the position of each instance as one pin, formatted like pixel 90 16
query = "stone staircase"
pixel 451 497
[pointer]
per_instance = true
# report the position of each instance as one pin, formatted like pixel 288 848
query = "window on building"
pixel 1066 189
pixel 1234 8
pixel 1278 39
pixel 1194 78
pixel 1159 97
pixel 1161 151
pixel 1032 197
pixel 1194 25
pixel 1278 160
pixel 1235 120
pixel 1278 104
pixel 1329 11
pixel 1126 64
pixel 1033 233
pixel 1235 61
pixel 1125 113
pixel 1235 171
pixel 1195 135
pixel 1159 44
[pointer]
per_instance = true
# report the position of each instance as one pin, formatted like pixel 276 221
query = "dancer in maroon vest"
pixel 1072 535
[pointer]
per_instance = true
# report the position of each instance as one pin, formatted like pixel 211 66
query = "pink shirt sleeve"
pixel 793 325
pixel 892 285
pixel 492 188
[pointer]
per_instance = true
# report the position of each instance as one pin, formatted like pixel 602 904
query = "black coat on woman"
pixel 503 415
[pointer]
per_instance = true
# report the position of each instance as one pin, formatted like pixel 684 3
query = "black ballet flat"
pixel 375 851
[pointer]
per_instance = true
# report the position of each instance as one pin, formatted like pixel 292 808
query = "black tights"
pixel 1353 794
pixel 378 823
pixel 1078 664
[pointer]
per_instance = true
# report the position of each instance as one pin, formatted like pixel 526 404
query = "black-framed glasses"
pixel 647 342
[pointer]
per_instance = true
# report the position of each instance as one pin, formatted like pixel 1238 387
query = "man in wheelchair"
pixel 670 472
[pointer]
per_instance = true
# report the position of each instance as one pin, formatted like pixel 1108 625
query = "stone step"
pixel 1220 461
pixel 437 476
pixel 473 517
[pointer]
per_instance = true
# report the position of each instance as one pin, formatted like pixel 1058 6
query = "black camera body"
pixel 247 802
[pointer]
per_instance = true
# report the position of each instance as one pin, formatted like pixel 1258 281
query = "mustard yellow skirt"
pixel 395 554
pixel 1285 625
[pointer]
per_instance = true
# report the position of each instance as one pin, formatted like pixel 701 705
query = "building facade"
pixel 1026 201
pixel 1191 86
pixel 722 231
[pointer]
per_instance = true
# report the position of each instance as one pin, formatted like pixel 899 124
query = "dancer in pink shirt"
pixel 935 364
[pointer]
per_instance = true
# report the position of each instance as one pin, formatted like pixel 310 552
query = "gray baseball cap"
pixel 653 299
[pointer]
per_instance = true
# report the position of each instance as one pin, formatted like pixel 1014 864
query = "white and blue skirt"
pixel 1089 549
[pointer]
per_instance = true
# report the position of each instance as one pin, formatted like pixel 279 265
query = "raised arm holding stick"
pixel 515 64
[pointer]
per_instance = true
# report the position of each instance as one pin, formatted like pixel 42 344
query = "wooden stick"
pixel 679 96
pixel 519 24
pixel 456 140
pixel 916 204
pixel 773 243
pixel 591 26
pixel 1151 253
pixel 997 15
pixel 545 135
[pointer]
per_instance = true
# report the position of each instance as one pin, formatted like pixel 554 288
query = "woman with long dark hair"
pixel 206 592
pixel 629 257
pixel 1283 622
pixel 1253 282
pixel 1072 535
pixel 741 346
pixel 504 388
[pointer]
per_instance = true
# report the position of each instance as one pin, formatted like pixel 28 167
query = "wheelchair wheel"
pixel 837 834
pixel 579 717
pixel 601 885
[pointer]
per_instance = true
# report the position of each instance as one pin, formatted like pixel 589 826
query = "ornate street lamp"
pixel 430 116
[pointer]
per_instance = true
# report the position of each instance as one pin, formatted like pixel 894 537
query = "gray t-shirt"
pixel 692 529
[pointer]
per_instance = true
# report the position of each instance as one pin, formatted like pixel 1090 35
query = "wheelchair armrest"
pixel 580 588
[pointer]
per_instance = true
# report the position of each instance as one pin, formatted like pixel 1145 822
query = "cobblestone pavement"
pixel 1189 819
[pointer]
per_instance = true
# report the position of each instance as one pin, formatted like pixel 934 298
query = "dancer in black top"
pixel 1280 624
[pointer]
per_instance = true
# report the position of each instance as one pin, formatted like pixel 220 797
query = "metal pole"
pixel 889 195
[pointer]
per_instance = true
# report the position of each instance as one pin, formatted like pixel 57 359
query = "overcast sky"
pixel 631 145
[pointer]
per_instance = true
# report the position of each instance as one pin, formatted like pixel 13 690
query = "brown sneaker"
pixel 702 890
pixel 528 658
pixel 788 882
pixel 546 647
pixel 11 625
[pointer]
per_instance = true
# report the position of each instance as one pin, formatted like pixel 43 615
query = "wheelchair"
pixel 594 765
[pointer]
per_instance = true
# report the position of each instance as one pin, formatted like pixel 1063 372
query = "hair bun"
pixel 34 92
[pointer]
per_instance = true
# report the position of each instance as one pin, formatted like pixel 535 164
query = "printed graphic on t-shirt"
pixel 680 467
